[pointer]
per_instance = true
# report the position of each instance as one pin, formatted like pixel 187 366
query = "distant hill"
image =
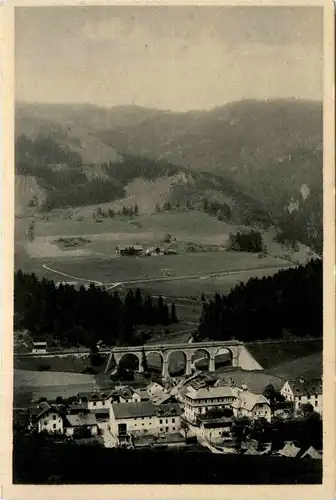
pixel 271 150
pixel 72 127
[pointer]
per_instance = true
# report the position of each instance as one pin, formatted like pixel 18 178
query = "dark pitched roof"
pixel 47 409
pixel 217 422
pixel 77 407
pixel 168 410
pixel 303 387
pixel 133 410
pixel 95 395
pixel 142 393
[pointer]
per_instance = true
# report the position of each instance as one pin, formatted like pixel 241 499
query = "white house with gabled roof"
pixel 304 391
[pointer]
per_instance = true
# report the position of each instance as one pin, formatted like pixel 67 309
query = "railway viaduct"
pixel 240 356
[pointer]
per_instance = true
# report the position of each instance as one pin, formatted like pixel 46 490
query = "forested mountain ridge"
pixel 67 182
pixel 268 153
pixel 288 303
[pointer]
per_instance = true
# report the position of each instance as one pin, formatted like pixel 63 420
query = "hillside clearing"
pixel 288 357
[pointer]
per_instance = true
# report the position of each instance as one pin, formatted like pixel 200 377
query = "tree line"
pixel 220 210
pixel 110 213
pixel 290 302
pixel 71 317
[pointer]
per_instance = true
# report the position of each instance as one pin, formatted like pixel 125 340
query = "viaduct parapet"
pixel 240 356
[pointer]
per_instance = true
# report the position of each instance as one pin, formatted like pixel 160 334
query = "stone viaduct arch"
pixel 165 350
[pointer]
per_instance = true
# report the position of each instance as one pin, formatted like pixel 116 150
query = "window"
pixel 167 429
pixel 299 398
pixel 143 425
pixel 161 430
pixel 173 428
pixel 103 403
pixel 316 403
pixel 46 422
pixel 161 421
pixel 166 420
pixel 54 417
pixel 93 403
pixel 173 420
pixel 54 426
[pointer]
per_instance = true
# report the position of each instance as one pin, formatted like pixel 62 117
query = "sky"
pixel 167 57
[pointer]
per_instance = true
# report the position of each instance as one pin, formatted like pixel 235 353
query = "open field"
pixel 187 227
pixel 142 269
pixel 209 285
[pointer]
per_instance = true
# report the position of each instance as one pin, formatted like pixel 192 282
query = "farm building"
pixel 132 418
pixel 153 251
pixel 169 251
pixel 216 429
pixel 144 418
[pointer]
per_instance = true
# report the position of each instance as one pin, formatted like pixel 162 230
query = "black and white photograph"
pixel 168 248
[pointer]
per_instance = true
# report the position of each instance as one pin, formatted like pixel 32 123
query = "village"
pixel 209 410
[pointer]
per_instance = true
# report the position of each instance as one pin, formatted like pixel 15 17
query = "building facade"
pixel 50 420
pixel 139 418
pixel 242 402
pixel 302 391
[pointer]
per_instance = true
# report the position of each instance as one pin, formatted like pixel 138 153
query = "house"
pixel 80 422
pixel 140 395
pixel 96 401
pixel 154 388
pixel 165 399
pixel 132 418
pixel 216 429
pixel 198 401
pixel 169 251
pixel 49 419
pixel 251 405
pixel 169 418
pixel 302 391
pixel 158 394
pixel 39 347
